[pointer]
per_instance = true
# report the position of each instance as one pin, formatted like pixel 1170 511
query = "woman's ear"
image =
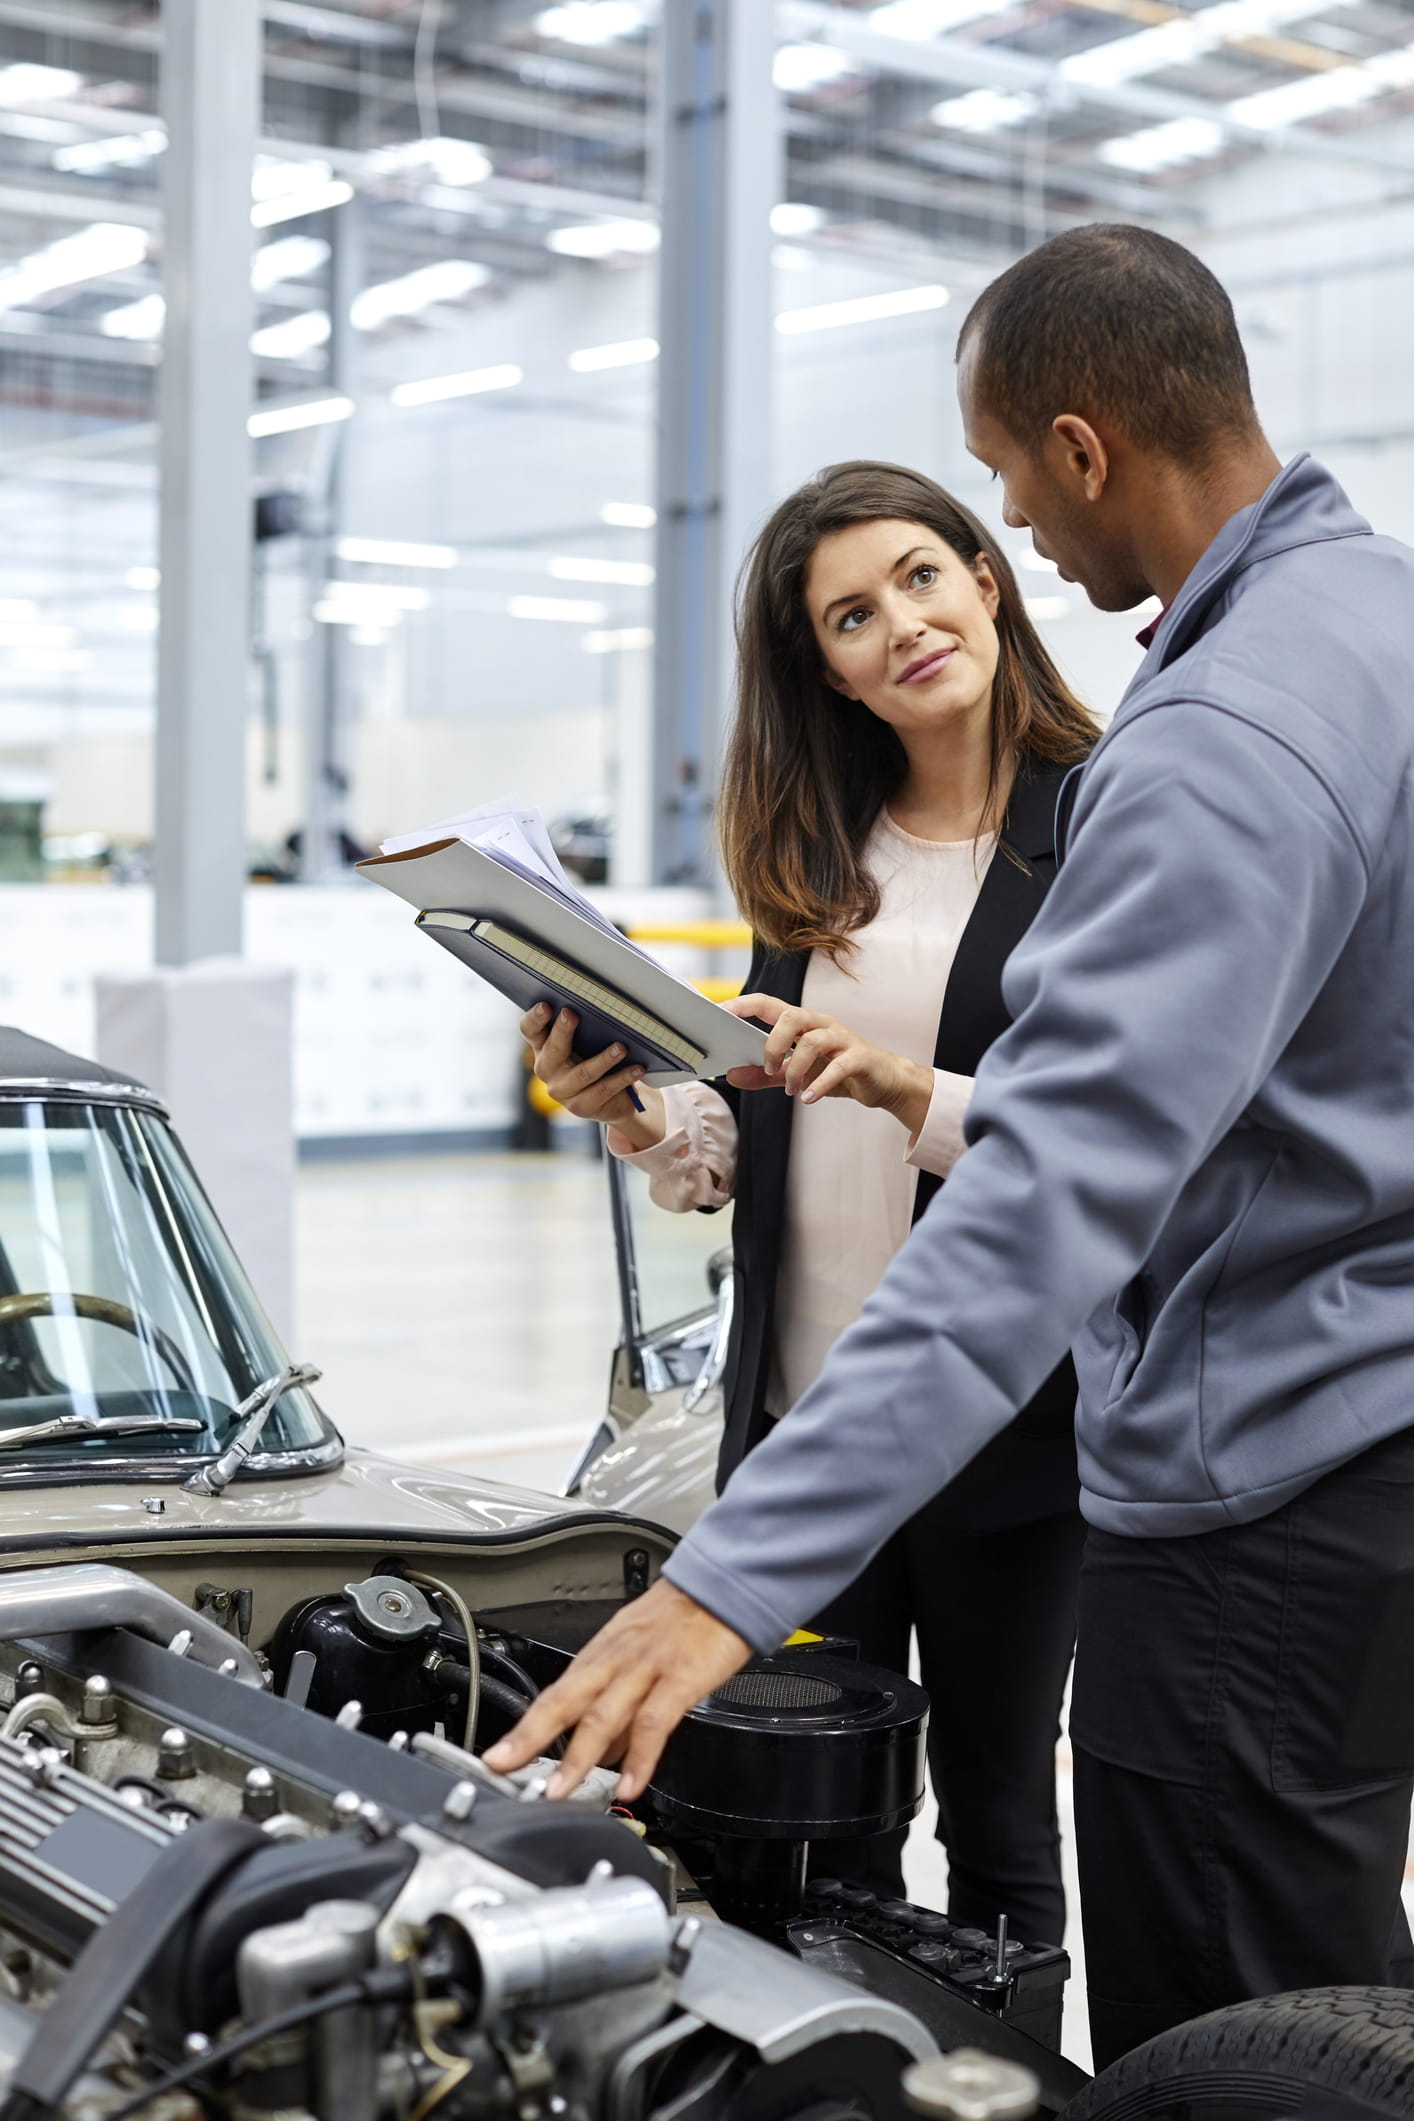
pixel 986 582
pixel 837 683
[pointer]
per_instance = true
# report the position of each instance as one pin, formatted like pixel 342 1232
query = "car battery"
pixel 1021 1984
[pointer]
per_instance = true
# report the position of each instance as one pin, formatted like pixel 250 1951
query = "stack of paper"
pixel 489 887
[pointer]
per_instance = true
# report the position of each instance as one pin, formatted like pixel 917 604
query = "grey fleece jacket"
pixel 1192 1155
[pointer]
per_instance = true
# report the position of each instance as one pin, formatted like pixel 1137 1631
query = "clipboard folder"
pixel 529 939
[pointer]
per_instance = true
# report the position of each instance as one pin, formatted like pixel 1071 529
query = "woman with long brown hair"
pixel 888 828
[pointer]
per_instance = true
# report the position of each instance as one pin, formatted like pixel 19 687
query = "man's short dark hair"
pixel 1114 323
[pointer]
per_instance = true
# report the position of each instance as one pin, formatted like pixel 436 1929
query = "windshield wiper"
pixel 252 1414
pixel 95 1425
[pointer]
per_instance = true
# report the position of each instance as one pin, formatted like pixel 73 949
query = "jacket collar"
pixel 1303 505
pixel 1030 824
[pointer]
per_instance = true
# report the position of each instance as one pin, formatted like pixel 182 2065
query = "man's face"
pixel 1054 492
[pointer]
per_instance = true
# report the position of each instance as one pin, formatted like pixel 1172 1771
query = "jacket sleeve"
pixel 1211 882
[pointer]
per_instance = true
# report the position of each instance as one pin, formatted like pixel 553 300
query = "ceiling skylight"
pixel 799 68
pixel 592 21
pixel 1164 146
pixel 985 110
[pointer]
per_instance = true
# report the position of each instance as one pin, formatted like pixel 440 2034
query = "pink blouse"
pixel 850 1179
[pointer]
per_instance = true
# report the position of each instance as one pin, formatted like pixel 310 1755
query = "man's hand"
pixel 627 1692
pixel 811 1056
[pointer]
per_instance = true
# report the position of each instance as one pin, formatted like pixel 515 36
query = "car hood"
pixel 366 1496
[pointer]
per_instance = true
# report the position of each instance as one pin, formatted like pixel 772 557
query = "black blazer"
pixel 1029 1470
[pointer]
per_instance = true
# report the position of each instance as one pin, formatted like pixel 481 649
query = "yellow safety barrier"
pixel 707 935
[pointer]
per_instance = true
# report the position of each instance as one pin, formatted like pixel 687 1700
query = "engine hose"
pixel 462 1611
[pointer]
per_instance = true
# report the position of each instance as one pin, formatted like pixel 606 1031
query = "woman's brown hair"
pixel 807 771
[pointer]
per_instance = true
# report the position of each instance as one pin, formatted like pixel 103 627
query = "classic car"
pixel 251 1861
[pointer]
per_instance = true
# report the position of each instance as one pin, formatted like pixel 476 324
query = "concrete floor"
pixel 464 1310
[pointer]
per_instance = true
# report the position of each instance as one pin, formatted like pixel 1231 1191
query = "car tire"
pixel 1352 2046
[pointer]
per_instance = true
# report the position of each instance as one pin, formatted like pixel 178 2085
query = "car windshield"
pixel 126 1321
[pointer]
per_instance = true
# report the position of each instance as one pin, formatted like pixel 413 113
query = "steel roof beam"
pixel 954 63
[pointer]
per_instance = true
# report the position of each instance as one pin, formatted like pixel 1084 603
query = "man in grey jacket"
pixel 1192 1156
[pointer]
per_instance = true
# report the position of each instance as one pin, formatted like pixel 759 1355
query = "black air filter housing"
pixel 797 1747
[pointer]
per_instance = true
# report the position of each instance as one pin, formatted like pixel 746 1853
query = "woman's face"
pixel 903 624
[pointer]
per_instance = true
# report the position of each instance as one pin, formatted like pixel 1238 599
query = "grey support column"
pixel 327 732
pixel 211 100
pixel 721 166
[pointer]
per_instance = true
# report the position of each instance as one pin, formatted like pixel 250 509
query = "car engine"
pixel 215 1899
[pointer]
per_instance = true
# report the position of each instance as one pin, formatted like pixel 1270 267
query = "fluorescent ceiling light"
pixel 395 552
pixel 89 254
pixel 143 578
pixel 470 382
pixel 287 258
pixel 137 618
pixel 284 419
pixel 293 206
pixel 1185 38
pixel 921 19
pixel 607 641
pixel 985 110
pixel 370 604
pixel 625 353
pixel 447 281
pixel 863 309
pixel 629 574
pixel 273 176
pixel 381 596
pixel 604 239
pixel 1338 88
pixel 1164 146
pixel 292 336
pixel 628 515
pixel 790 219
pixel 120 151
pixel 446 161
pixel 799 68
pixel 142 319
pixel 286 191
pixel 29 125
pixel 591 21
pixel 37 84
pixel 22 633
pixel 1043 608
pixel 573 611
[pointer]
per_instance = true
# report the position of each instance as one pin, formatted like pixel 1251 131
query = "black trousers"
pixel 995 1616
pixel 1243 1728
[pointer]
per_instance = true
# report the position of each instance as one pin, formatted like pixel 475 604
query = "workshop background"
pixel 388 391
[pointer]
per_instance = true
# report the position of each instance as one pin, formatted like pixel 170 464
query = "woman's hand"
pixel 597 1088
pixel 811 1056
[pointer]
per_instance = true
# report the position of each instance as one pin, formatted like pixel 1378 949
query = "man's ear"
pixel 1082 455
pixel 987 585
pixel 837 683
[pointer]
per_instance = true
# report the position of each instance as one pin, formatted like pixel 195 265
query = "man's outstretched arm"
pixel 1211 885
